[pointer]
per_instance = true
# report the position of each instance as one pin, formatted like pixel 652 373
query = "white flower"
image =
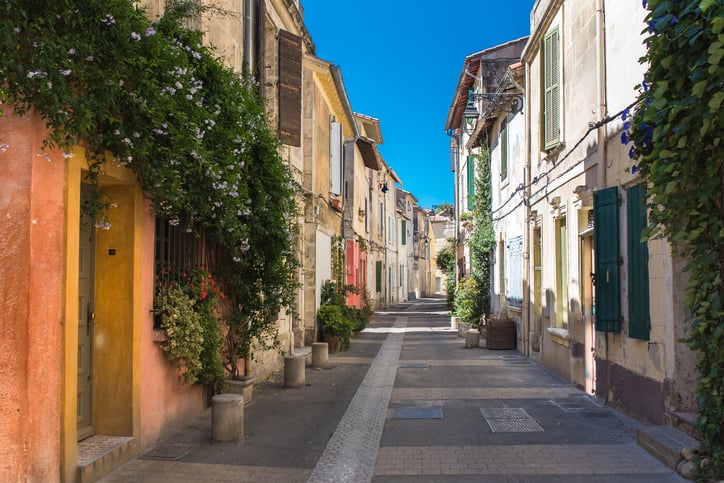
pixel 135 36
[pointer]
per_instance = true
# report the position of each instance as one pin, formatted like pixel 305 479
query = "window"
pixel 550 73
pixel 335 158
pixel 561 273
pixel 393 230
pixel 504 149
pixel 380 219
pixel 471 182
pixel 515 270
pixel 502 289
pixel 177 252
pixel 403 232
pixel 607 281
pixel 638 265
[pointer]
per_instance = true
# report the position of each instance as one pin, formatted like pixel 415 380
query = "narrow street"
pixel 407 402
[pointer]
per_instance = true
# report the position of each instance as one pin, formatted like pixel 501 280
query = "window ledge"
pixel 560 336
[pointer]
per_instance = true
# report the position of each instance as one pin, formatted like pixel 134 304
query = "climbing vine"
pixel 150 96
pixel 676 144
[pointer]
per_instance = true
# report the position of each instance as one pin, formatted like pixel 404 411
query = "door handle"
pixel 89 318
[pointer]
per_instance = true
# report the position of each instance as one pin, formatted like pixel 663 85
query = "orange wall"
pixel 38 292
pixel 31 273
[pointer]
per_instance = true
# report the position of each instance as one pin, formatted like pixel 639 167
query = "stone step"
pixel 99 455
pixel 665 443
pixel 686 421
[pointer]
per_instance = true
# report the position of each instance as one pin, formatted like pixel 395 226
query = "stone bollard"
pixel 320 354
pixel 472 338
pixel 294 371
pixel 454 321
pixel 227 418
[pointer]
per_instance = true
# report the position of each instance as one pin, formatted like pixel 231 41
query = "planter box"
pixel 463 328
pixel 243 387
pixel 500 334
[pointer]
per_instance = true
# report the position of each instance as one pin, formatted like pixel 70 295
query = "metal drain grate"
pixel 510 420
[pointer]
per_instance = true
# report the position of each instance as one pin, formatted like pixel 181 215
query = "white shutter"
pixel 335 158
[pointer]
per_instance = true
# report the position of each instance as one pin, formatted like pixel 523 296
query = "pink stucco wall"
pixel 31 274
pixel 165 401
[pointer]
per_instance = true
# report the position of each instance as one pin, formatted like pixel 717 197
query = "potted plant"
pixel 467 305
pixel 336 327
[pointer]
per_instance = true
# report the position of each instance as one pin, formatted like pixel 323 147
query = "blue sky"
pixel 400 61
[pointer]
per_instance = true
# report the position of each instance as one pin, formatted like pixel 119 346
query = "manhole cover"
pixel 510 420
pixel 416 413
pixel 168 451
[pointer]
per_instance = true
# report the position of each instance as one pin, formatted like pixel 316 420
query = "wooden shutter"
pixel 504 149
pixel 290 88
pixel 335 158
pixel 378 276
pixel 551 90
pixel 404 232
pixel 638 265
pixel 471 182
pixel 605 238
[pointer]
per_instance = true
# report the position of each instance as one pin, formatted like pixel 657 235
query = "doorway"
pixel 86 315
pixel 588 310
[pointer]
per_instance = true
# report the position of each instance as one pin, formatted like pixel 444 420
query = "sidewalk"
pixel 408 403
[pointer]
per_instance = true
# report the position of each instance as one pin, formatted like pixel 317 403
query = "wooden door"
pixel 85 327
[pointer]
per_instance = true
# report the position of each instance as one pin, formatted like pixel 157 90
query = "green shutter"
pixel 551 90
pixel 378 276
pixel 639 321
pixel 404 232
pixel 471 183
pixel 608 278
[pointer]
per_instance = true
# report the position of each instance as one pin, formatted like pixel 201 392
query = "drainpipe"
pixel 601 92
pixel 602 113
pixel 525 316
pixel 247 34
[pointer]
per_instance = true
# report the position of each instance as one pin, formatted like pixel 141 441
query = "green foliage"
pixel 677 144
pixel 337 319
pixel 445 262
pixel 163 105
pixel 445 259
pixel 188 306
pixel 468 300
pixel 185 331
pixel 482 240
pixel 336 322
